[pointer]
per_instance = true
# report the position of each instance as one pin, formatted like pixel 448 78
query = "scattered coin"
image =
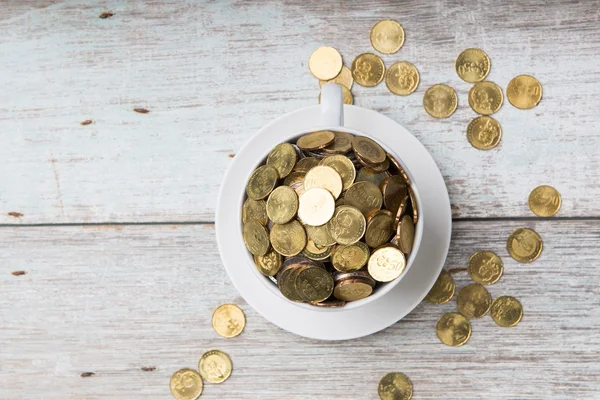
pixel 506 311
pixel 524 245
pixel 282 205
pixel 453 329
pixel 386 263
pixel 524 92
pixel 472 65
pixel 325 63
pixel 484 133
pixel 485 97
pixel 228 320
pixel 485 267
pixel 215 366
pixel 544 201
pixel 402 78
pixel 186 384
pixel 473 301
pixel 316 206
pixel 440 101
pixel 344 78
pixel 395 386
pixel 368 69
pixel 387 36
pixel 442 290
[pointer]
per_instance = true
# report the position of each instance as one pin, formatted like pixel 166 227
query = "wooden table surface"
pixel 113 222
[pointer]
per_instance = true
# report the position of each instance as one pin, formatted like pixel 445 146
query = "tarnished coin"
pixel 352 290
pixel 414 206
pixel 386 264
pixel 442 290
pixel 283 157
pixel 315 252
pixel 256 210
pixel 524 245
pixel 473 301
pixel 472 65
pixel 262 182
pixel 368 69
pixel 347 225
pixel 228 320
pixel 380 228
pixel 325 63
pixel 342 144
pixel 320 235
pixel 298 188
pixel 453 329
pixel 288 239
pixel 369 174
pixel 343 166
pixel 402 78
pixel 544 201
pixel 484 133
pixel 215 366
pixel 314 284
pixel 344 78
pixel 287 276
pixel 394 189
pixel 316 206
pixel 324 177
pixel 406 234
pixel 282 204
pixel 395 386
pixel 506 311
pixel 402 210
pixel 295 177
pixel 186 384
pixel 304 165
pixel 256 238
pixel 269 264
pixel 485 97
pixel 524 92
pixel 387 36
pixel 485 267
pixel 440 101
pixel 349 258
pixel 347 97
pixel 365 196
pixel 368 149
pixel 315 140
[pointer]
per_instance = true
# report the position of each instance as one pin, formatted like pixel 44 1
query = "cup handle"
pixel 332 105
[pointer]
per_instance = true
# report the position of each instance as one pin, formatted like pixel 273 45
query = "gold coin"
pixel 399 168
pixel 269 264
pixel 524 245
pixel 320 235
pixel 524 92
pixel 325 63
pixel 387 36
pixel 340 202
pixel 186 384
pixel 394 190
pixel 256 238
pixel 215 366
pixel 305 164
pixel 315 252
pixel 347 97
pixel 330 303
pixel 256 210
pixel 406 233
pixel 395 386
pixel 288 239
pixel 365 196
pixel 369 174
pixel 343 166
pixel 368 150
pixel 368 69
pixel 485 267
pixel 485 97
pixel 402 78
pixel 347 225
pixel 386 264
pixel 287 276
pixel 414 205
pixel 294 177
pixel 484 133
pixel 324 177
pixel 282 204
pixel 544 201
pixel 352 290
pixel 380 167
pixel 472 65
pixel 440 101
pixel 314 284
pixel 228 320
pixel 453 329
pixel 315 140
pixel 342 143
pixel 344 78
pixel 442 290
pixel 349 258
pixel 473 301
pixel 298 188
pixel 506 311
pixel 316 207
pixel 402 209
pixel 262 182
pixel 283 157
pixel 380 228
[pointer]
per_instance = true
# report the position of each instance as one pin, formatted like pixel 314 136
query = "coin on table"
pixel 269 264
pixel 288 239
pixel 342 143
pixel 365 196
pixel 315 140
pixel 473 301
pixel 395 386
pixel 314 284
pixel 283 157
pixel 406 234
pixel 215 366
pixel 485 97
pixel 544 201
pixel 320 235
pixel 524 245
pixel 315 252
pixel 343 166
pixel 368 149
pixel 453 329
pixel 387 36
pixel 402 78
pixel 440 101
pixel 228 320
pixel 186 384
pixel 368 69
pixel 262 182
pixel 347 97
pixel 506 311
pixel 256 238
pixel 282 204
pixel 316 206
pixel 325 63
pixel 386 263
pixel 348 225
pixel 325 177
pixel 394 189
pixel 472 65
pixel 349 258
pixel 442 290
pixel 256 210
pixel 344 78
pixel 380 228
pixel 524 92
pixel 484 133
pixel 485 267
pixel 352 290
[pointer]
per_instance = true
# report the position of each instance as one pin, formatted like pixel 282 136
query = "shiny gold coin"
pixel 402 78
pixel 484 133
pixel 325 63
pixel 262 182
pixel 294 177
pixel 453 329
pixel 288 239
pixel 352 290
pixel 485 97
pixel 442 290
pixel 228 320
pixel 347 97
pixel 269 264
pixel 315 140
pixel 344 78
pixel 282 204
pixel 215 366
pixel 414 205
pixel 320 235
pixel 387 36
pixel 440 101
pixel 402 210
pixel 314 284
pixel 347 225
pixel 394 189
pixel 316 207
pixel 398 167
pixel 506 311
pixel 386 264
pixel 472 65
pixel 380 228
pixel 343 166
pixel 349 258
pixel 524 245
pixel 256 210
pixel 256 238
pixel 485 267
pixel 315 252
pixel 368 69
pixel 544 201
pixel 406 230
pixel 368 150
pixel 283 157
pixel 324 177
pixel 365 196
pixel 369 174
pixel 395 386
pixel 286 278
pixel 342 143
pixel 473 301
pixel 524 92
pixel 186 384
pixel 305 164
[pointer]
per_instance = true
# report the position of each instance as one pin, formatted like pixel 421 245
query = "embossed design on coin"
pixel 473 301
pixel 524 245
pixel 453 329
pixel 524 92
pixel 402 78
pixel 485 97
pixel 365 196
pixel 352 290
pixel 440 101
pixel 368 69
pixel 269 264
pixel 369 174
pixel 320 235
pixel 387 36
pixel 324 177
pixel 315 252
pixel 228 320
pixel 343 166
pixel 344 78
pixel 368 150
pixel 314 284
pixel 506 311
pixel 288 239
pixel 347 225
pixel 472 65
pixel 256 210
pixel 544 201
pixel 386 264
pixel 282 204
pixel 380 228
pixel 485 267
pixel 186 384
pixel 315 140
pixel 262 182
pixel 325 63
pixel 484 133
pixel 395 386
pixel 442 290
pixel 342 144
pixel 256 238
pixel 215 366
pixel 283 157
pixel 348 258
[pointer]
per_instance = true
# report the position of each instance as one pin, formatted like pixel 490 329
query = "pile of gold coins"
pixel 329 218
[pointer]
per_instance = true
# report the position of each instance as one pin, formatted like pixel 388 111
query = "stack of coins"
pixel 329 218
